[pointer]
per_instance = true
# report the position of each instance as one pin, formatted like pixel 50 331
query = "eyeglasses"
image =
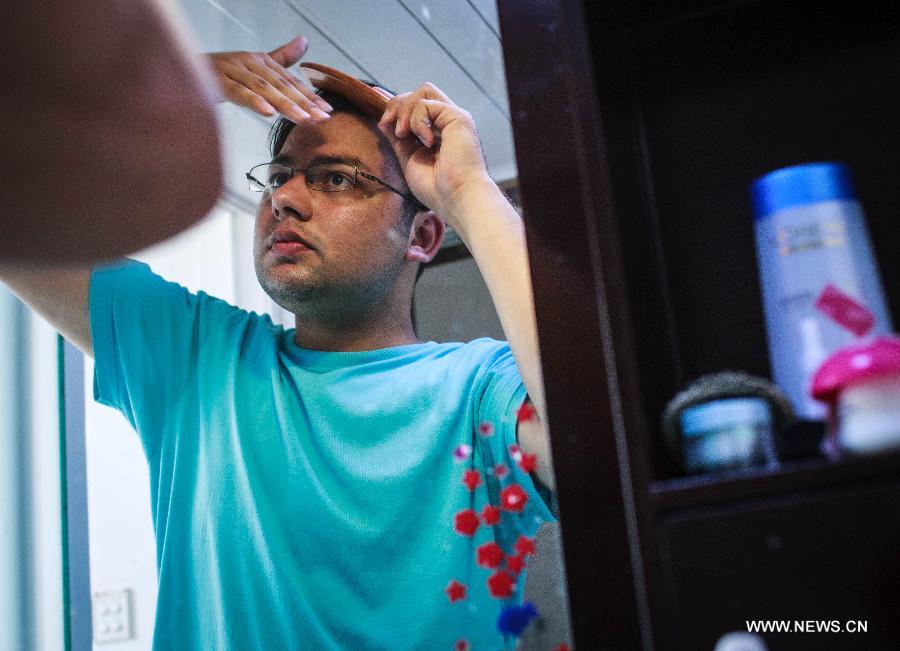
pixel 322 177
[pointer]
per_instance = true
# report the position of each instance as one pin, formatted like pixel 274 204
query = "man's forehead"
pixel 343 134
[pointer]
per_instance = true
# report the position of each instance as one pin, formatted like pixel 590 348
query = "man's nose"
pixel 293 199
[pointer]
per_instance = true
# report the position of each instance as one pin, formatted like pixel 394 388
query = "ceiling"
pixel 398 43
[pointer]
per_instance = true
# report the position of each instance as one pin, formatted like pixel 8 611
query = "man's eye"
pixel 331 178
pixel 337 180
pixel 278 179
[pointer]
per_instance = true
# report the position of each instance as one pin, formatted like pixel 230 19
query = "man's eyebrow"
pixel 284 159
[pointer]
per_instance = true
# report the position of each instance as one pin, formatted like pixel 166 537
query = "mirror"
pixel 336 548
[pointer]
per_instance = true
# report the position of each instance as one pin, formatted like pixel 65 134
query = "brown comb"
pixel 358 93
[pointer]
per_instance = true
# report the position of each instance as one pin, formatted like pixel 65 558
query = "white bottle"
pixel 811 239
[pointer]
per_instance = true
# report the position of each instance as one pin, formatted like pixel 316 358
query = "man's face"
pixel 356 248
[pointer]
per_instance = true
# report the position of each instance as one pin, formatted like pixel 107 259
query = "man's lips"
pixel 289 248
pixel 287 242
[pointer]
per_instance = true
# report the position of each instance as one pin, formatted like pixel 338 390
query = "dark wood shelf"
pixel 639 127
pixel 763 481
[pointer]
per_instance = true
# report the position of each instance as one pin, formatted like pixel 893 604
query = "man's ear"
pixel 425 236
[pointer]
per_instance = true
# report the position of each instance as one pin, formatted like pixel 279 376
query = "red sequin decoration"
pixel 526 412
pixel 486 429
pixel 528 462
pixel 500 585
pixel 456 591
pixel 501 471
pixel 461 645
pixel 490 515
pixel 490 555
pixel 466 522
pixel 515 564
pixel 525 546
pixel 472 479
pixel 513 498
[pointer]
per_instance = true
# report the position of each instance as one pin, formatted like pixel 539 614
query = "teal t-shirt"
pixel 305 499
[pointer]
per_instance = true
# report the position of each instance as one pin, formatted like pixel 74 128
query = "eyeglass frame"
pixel 356 172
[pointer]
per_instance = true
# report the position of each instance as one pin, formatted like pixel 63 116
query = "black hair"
pixel 282 127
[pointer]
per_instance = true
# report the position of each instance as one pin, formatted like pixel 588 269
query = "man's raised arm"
pixel 110 140
pixel 452 180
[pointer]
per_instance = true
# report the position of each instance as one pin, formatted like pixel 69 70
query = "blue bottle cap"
pixel 799 185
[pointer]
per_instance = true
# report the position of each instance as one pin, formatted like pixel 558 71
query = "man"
pixel 339 485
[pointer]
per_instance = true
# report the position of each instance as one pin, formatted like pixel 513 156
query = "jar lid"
pixel 724 414
pixel 799 185
pixel 855 363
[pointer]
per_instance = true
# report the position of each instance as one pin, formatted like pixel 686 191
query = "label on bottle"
pixel 797 238
pixel 852 315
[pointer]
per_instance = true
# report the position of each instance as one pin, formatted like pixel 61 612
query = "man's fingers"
pixel 298 91
pixel 291 52
pixel 421 124
pixel 442 114
pixel 404 111
pixel 403 148
pixel 240 94
pixel 427 118
pixel 406 103
pixel 430 91
pixel 276 92
pixel 389 116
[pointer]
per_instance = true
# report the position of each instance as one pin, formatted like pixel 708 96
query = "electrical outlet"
pixel 112 615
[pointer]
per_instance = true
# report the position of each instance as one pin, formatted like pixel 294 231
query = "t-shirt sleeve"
pixel 145 333
pixel 500 393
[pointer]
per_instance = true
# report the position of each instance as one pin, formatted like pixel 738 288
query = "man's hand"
pixel 261 82
pixel 438 149
pixel 440 155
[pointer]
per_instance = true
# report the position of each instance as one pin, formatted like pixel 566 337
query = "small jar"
pixel 725 420
pixel 727 433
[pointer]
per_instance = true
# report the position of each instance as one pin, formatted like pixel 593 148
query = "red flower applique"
pixel 486 429
pixel 562 647
pixel 526 412
pixel 513 498
pixel 490 555
pixel 524 546
pixel 472 479
pixel 515 452
pixel 455 591
pixel 466 522
pixel 490 515
pixel 500 585
pixel 463 645
pixel 515 564
pixel 501 471
pixel 528 462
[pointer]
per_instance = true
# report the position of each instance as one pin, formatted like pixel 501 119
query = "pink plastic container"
pixel 861 383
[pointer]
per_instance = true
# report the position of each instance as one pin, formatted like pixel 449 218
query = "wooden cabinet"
pixel 639 127
pixel 828 556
